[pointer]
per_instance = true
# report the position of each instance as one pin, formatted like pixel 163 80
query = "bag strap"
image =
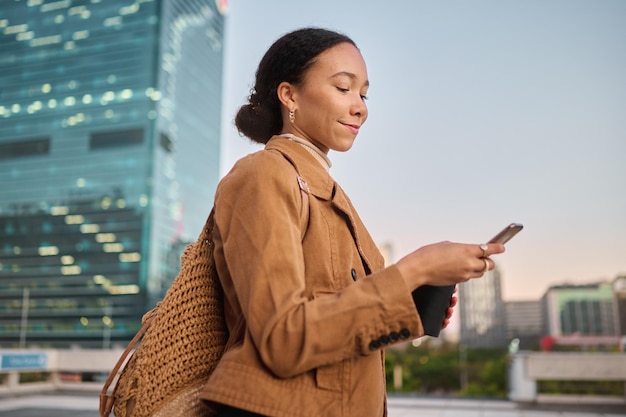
pixel 304 190
pixel 106 399
pixel 239 327
pixel 304 210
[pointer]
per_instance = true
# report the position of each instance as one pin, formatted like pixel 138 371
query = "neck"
pixel 317 153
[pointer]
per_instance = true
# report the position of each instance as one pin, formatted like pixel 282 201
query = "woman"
pixel 309 303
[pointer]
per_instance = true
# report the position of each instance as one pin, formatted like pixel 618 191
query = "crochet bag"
pixel 184 337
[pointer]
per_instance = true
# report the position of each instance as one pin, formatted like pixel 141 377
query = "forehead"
pixel 341 58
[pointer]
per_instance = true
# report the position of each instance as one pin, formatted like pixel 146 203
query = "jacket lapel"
pixel 370 254
pixel 324 187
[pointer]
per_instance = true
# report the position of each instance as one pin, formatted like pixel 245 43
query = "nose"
pixel 359 108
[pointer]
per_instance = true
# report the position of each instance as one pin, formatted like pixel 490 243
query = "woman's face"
pixel 330 103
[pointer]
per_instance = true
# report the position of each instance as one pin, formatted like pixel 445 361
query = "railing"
pixel 528 368
pixel 62 369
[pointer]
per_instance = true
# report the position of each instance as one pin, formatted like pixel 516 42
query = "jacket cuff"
pixel 400 321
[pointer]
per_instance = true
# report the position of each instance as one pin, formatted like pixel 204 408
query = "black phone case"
pixel 432 303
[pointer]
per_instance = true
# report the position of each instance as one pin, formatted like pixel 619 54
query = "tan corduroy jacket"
pixel 317 311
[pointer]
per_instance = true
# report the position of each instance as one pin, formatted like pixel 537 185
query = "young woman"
pixel 309 303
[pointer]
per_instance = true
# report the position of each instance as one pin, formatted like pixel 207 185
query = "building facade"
pixel 482 312
pixel 109 156
pixel 524 321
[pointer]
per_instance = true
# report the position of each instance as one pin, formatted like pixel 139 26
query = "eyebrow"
pixel 348 74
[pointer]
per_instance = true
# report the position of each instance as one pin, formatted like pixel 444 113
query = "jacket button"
pixel 354 277
pixel 374 344
pixel 384 340
pixel 394 336
pixel 405 333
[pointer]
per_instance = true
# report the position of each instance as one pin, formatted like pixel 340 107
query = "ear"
pixel 287 95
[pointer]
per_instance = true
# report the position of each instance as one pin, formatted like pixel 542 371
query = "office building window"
pixel 24 148
pixel 111 139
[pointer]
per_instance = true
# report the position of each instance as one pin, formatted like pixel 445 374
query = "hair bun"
pixel 257 122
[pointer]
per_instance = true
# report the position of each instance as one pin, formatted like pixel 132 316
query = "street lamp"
pixel 24 321
pixel 107 322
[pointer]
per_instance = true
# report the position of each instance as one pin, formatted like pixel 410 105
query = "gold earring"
pixel 292 116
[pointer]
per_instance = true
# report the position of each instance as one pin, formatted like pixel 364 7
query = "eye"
pixel 363 97
pixel 342 89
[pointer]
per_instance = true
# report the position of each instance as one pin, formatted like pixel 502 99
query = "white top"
pixel 320 156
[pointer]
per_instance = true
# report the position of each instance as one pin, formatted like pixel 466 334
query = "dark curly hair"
pixel 288 59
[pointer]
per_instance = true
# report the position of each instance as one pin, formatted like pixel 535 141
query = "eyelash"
pixel 345 90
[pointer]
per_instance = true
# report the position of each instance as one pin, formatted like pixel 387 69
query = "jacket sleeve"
pixel 258 215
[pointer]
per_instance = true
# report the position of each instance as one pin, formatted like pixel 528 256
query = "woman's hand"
pixel 453 300
pixel 447 263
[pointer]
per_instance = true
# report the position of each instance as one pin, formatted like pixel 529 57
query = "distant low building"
pixel 581 310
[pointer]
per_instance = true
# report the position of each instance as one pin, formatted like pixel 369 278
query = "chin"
pixel 344 145
pixel 342 148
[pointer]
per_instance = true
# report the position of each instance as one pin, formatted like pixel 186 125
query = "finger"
pixel 484 250
pixel 496 248
pixel 485 265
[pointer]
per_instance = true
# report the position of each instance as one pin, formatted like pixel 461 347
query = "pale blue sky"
pixel 481 113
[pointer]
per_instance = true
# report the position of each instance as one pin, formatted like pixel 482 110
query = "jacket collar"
pixel 322 186
pixel 320 183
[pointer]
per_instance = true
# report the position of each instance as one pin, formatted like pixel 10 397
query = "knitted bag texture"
pixel 184 337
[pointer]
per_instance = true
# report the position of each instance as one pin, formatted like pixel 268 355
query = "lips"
pixel 353 128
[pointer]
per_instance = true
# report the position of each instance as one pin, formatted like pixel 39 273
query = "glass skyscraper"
pixel 109 158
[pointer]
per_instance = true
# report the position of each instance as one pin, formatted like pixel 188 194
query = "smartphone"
pixel 507 233
pixel 432 302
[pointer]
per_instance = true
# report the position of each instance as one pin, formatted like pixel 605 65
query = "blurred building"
pixel 482 312
pixel 580 310
pixel 524 321
pixel 109 157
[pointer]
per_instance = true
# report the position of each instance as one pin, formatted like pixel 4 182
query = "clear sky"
pixel 481 113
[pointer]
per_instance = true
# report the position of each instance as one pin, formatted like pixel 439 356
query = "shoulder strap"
pixel 304 211
pixel 305 191
pixel 106 399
